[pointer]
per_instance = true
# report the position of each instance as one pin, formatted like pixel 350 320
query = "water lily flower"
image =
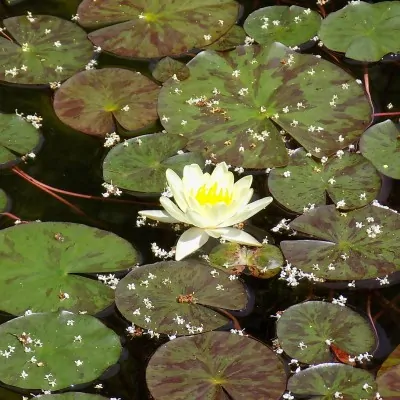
pixel 211 203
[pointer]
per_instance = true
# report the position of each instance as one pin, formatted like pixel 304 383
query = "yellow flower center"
pixel 213 194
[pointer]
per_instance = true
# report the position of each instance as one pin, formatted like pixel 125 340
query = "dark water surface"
pixel 72 161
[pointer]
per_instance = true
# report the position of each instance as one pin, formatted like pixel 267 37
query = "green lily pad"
pixel 168 67
pixel 52 351
pixel 289 25
pixel 228 106
pixel 234 37
pixel 328 381
pixel 351 178
pixel 381 145
pixel 90 100
pixel 17 138
pixel 73 396
pixel 3 200
pixel 261 262
pixel 360 244
pixel 317 324
pixel 215 365
pixel 139 164
pixel 40 262
pixel 156 28
pixel 389 383
pixel 45 49
pixel 175 297
pixel 365 32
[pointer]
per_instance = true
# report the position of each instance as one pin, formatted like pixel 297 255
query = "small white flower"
pixel 78 363
pixel 286 174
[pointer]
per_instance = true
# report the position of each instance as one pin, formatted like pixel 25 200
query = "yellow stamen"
pixel 213 194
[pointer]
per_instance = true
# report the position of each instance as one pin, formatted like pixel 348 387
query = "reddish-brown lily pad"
pixel 156 28
pixel 215 365
pixel 90 100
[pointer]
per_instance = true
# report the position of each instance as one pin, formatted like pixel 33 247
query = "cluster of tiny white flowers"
pixel 383 281
pixel 377 204
pixel 161 253
pixel 283 226
pixel 308 207
pixel 340 301
pixel 35 120
pixel 110 189
pixel 292 275
pixel 239 332
pixel 167 192
pixel 109 280
pixel 248 41
pixel 111 139
pixel 54 85
pixel 91 64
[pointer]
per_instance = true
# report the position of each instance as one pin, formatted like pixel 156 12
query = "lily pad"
pixel 317 324
pixel 45 49
pixel 175 297
pixel 52 351
pixel 168 67
pixel 156 28
pixel 139 164
pixel 289 25
pixel 229 105
pixel 360 244
pixel 90 100
pixel 389 383
pixel 234 37
pixel 73 396
pixel 17 138
pixel 261 262
pixel 381 145
pixel 40 262
pixel 306 182
pixel 391 361
pixel 215 365
pixel 365 32
pixel 329 381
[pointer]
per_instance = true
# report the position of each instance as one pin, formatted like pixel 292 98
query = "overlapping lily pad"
pixel 175 297
pixel 360 244
pixel 261 262
pixel 317 324
pixel 90 100
pixel 168 67
pixel 156 28
pixel 73 396
pixel 381 145
pixel 291 26
pixel 17 138
pixel 52 351
pixel 388 378
pixel 39 263
pixel 306 182
pixel 45 49
pixel 229 105
pixel 330 381
pixel 140 163
pixel 365 32
pixel 215 365
pixel 234 37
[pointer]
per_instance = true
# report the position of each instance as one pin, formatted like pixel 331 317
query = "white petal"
pixel 237 236
pixel 172 209
pixel 176 186
pixel 247 212
pixel 158 215
pixel 190 241
pixel 242 184
pixel 192 177
pixel 223 177
pixel 196 219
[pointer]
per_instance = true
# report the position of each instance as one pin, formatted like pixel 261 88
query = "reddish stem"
pixel 82 196
pixel 322 11
pixel 371 320
pixel 387 114
pixel 366 84
pixel 13 217
pixel 6 36
pixel 236 324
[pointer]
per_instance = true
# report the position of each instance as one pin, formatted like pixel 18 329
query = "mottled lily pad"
pixel 45 49
pixel 168 67
pixel 90 100
pixel 175 297
pixel 52 351
pixel 140 163
pixel 360 244
pixel 40 262
pixel 261 262
pixel 17 138
pixel 391 361
pixel 381 145
pixel 215 365
pixel 306 182
pixel 329 381
pixel 3 200
pixel 234 37
pixel 365 32
pixel 291 26
pixel 317 324
pixel 389 383
pixel 228 106
pixel 156 28
pixel 73 396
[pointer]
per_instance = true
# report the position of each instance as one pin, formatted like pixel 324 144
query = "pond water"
pixel 72 161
